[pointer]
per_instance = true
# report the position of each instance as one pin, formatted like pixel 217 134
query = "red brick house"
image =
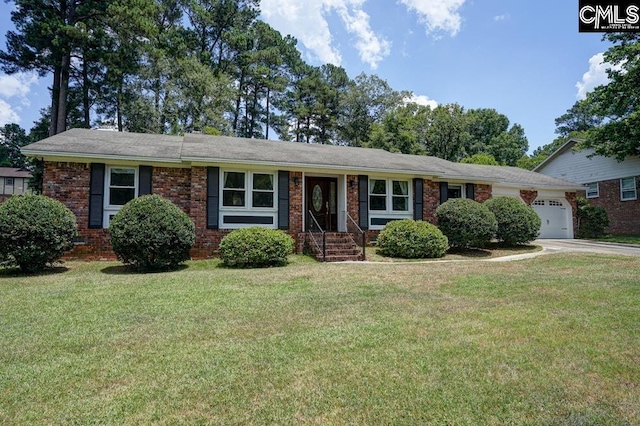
pixel 225 183
pixel 606 182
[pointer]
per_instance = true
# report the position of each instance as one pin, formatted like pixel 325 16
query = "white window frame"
pixel 10 181
pixel 111 209
pixel 592 192
pixel 248 191
pixel 389 196
pixel 623 190
pixel 463 192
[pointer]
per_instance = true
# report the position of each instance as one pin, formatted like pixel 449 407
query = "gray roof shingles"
pixel 12 172
pixel 84 143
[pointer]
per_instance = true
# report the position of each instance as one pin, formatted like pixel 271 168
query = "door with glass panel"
pixel 321 195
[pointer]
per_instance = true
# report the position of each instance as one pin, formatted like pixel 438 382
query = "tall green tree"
pixel 618 102
pixel 402 129
pixel 48 34
pixel 12 138
pixel 447 134
pixel 366 100
pixel 579 118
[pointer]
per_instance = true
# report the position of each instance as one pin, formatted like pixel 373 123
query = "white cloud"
pixel 503 17
pixel 596 76
pixel 422 100
pixel 7 114
pixel 13 91
pixel 306 21
pixel 437 15
pixel 16 84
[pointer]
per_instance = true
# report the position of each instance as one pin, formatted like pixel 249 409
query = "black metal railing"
pixel 351 223
pixel 315 226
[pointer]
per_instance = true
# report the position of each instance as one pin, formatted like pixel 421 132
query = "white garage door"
pixel 555 218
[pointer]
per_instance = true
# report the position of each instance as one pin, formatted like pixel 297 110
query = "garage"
pixel 555 215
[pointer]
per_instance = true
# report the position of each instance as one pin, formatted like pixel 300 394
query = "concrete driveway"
pixel 588 247
pixel 574 246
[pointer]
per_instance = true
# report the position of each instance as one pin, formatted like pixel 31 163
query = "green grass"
pixel 553 340
pixel 625 239
pixel 492 251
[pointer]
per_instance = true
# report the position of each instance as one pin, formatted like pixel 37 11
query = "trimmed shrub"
pixel 412 239
pixel 592 220
pixel 518 223
pixel 466 223
pixel 151 233
pixel 255 247
pixel 35 231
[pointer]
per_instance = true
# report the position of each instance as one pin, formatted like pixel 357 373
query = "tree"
pixel 618 102
pixel 489 133
pixel 447 133
pixel 579 118
pixel 12 138
pixel 46 37
pixel 402 130
pixel 365 102
pixel 481 158
pixel 197 98
pixel 508 147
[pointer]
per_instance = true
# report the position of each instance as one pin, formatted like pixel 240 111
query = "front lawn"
pixel 551 340
pixel 624 239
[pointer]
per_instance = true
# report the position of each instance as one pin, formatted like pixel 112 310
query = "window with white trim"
pixel 121 186
pixel 10 182
pixel 389 195
pixel 593 190
pixel 236 186
pixel 455 190
pixel 628 189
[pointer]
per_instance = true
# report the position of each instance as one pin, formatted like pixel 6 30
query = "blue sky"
pixel 524 58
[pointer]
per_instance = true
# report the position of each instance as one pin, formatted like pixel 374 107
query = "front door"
pixel 322 203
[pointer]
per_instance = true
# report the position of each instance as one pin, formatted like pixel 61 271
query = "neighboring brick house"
pixel 225 183
pixel 13 182
pixel 606 182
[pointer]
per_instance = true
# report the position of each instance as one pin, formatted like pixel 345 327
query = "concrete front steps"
pixel 339 247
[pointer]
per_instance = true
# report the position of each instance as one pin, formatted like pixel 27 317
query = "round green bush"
pixel 151 233
pixel 255 247
pixel 466 223
pixel 35 231
pixel 518 223
pixel 592 220
pixel 411 239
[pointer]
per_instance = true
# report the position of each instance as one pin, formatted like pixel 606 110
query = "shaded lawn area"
pixel 551 340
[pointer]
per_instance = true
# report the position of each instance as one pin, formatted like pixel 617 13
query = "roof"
pixel 12 172
pixel 204 149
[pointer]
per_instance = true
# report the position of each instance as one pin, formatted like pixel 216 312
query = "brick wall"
pixel 528 196
pixel 571 198
pixel 482 192
pixel 296 185
pixel 69 183
pixel 624 216
pixel 173 184
pixel 430 200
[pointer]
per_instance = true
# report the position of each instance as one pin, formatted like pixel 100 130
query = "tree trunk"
pixel 85 95
pixel 61 125
pixel 55 98
pixel 118 107
pixel 266 132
